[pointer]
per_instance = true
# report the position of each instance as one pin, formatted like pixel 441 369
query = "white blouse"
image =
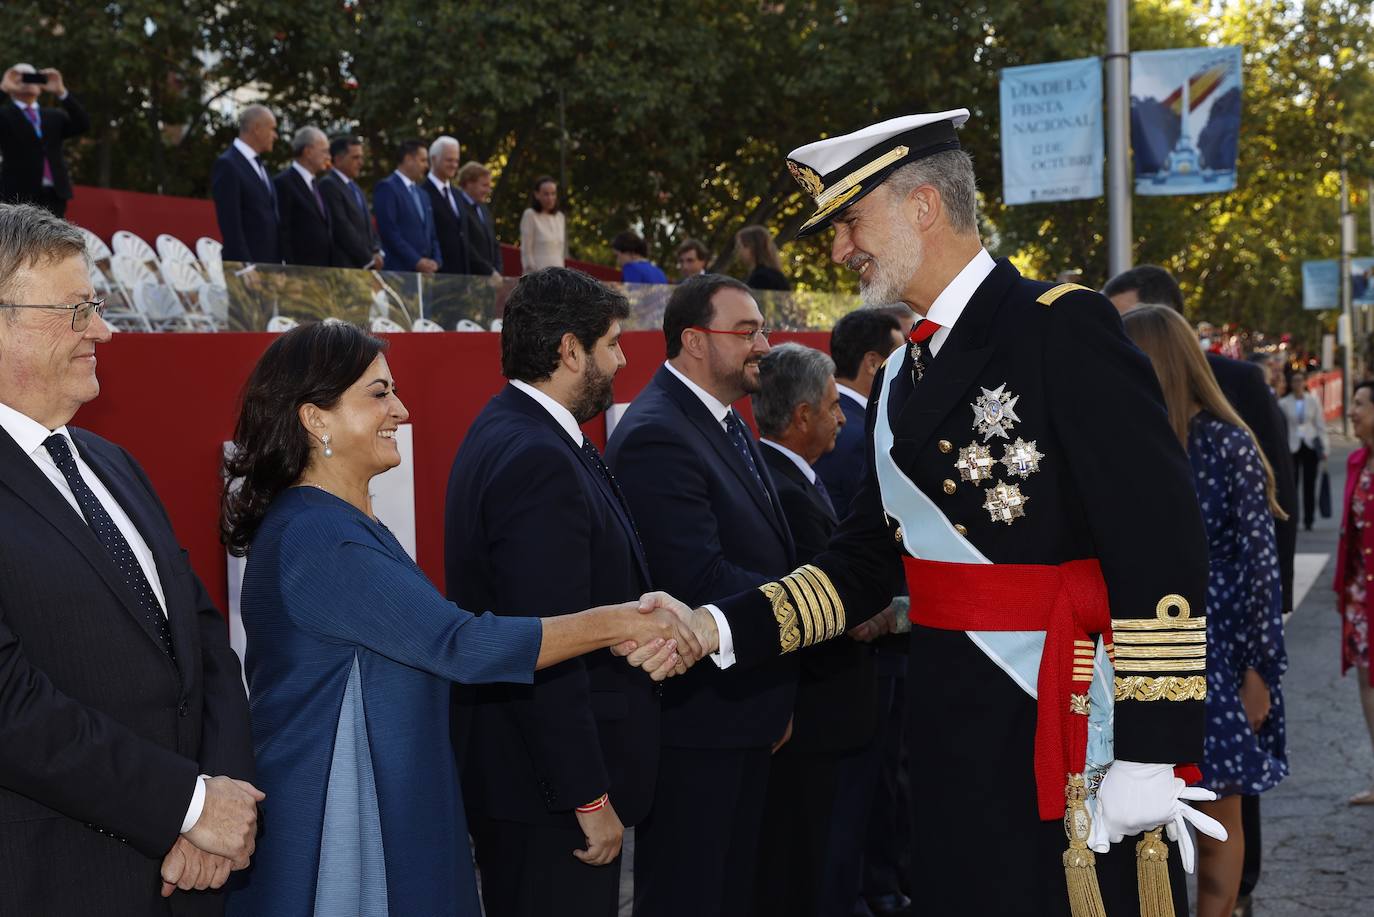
pixel 543 240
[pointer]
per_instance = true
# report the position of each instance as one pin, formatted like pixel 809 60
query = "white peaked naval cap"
pixel 838 171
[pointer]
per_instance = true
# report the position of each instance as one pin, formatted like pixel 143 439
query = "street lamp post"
pixel 1120 256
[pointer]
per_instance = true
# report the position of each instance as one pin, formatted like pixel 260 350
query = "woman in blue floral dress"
pixel 1245 749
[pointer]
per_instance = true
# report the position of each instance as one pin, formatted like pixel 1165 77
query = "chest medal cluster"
pixel 994 415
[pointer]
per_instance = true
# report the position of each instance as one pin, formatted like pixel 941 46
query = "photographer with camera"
pixel 33 170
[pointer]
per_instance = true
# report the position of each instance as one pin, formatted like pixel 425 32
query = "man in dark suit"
pixel 405 218
pixel 797 408
pixel 1245 386
pixel 245 198
pixel 118 688
pixel 711 522
pixel 306 232
pixel 871 800
pixel 33 168
pixel 553 771
pixel 350 220
pixel 479 227
pixel 443 201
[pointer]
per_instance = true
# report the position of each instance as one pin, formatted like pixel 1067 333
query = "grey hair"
pixel 251 116
pixel 303 138
pixel 790 374
pixel 951 174
pixel 31 236
pixel 439 143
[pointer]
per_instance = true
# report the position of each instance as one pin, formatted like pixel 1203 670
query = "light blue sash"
pixel 927 534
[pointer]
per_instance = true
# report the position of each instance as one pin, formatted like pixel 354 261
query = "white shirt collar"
pixel 407 182
pixel 718 410
pixel 248 153
pixel 559 413
pixel 304 173
pixel 796 459
pixel 437 182
pixel 26 432
pixel 342 177
pixel 949 305
pixel 846 390
pixel 468 197
pixel 25 105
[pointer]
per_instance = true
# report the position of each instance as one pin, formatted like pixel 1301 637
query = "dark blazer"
pixel 350 220
pixel 406 235
pixel 101 735
pixel 484 251
pixel 448 228
pixel 246 209
pixel 836 693
pixel 763 277
pixel 306 234
pixel 22 152
pixel 1244 386
pixel 708 531
pixel 842 468
pixel 531 527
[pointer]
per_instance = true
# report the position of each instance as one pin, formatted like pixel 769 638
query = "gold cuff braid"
pixel 806 607
pixel 1170 687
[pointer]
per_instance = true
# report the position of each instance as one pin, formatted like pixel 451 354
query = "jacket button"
pixel 946 446
pixel 182 709
pixel 960 529
pixel 898 534
pixel 949 486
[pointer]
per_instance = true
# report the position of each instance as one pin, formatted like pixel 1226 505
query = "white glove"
pixel 1138 797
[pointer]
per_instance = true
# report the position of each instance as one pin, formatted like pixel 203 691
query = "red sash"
pixel 1069 603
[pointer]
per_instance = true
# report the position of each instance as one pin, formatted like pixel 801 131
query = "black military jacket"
pixel 1079 402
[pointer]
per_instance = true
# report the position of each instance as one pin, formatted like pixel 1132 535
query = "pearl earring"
pixel 327 451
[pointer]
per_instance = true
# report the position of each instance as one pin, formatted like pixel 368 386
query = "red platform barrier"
pixel 172 401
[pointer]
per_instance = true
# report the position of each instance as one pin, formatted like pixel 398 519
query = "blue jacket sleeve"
pixel 386 205
pixel 339 582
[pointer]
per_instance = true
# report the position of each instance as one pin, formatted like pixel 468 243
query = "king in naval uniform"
pixel 1024 478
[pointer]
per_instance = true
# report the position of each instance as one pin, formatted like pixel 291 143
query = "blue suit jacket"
pixel 532 528
pixel 708 532
pixel 842 468
pixel 246 209
pixel 406 238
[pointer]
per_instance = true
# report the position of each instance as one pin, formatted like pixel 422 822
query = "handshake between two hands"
pixel 668 637
pixel 221 841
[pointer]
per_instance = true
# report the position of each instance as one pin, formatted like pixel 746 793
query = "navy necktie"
pixel 358 196
pixel 105 529
pixel 418 196
pixel 735 430
pixel 594 456
pixel 825 494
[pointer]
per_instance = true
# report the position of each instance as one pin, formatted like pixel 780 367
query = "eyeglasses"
pixel 749 336
pixel 81 312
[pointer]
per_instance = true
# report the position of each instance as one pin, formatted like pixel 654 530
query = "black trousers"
pixel 1254 843
pixel 1305 462
pixel 530 871
pixel 886 850
pixel 697 853
pixel 797 828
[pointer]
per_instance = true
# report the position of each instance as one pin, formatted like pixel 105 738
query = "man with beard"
pixel 712 524
pixel 535 524
pixel 1039 518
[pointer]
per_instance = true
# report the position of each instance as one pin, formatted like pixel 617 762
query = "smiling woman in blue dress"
pixel 1245 751
pixel 351 650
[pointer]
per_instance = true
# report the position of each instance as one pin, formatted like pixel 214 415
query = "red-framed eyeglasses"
pixel 747 335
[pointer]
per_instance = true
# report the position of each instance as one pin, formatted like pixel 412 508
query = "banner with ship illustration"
pixel 1185 119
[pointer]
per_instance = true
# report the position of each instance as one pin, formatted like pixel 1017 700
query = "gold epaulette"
pixel 1151 654
pixel 1048 297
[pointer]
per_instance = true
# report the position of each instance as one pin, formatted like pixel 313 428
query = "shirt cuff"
pixel 63 97
pixel 724 656
pixel 196 807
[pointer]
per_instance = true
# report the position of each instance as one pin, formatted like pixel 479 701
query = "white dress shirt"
pixel 254 160
pixel 797 460
pixel 724 656
pixel 949 305
pixel 445 191
pixel 304 173
pixel 29 435
pixel 556 410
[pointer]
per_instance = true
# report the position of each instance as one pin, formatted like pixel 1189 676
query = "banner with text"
pixel 1185 119
pixel 1052 131
pixel 1321 283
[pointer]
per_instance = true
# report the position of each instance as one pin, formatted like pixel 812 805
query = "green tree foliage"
pixel 674 118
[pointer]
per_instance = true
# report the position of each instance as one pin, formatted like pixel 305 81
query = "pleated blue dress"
pixel 351 653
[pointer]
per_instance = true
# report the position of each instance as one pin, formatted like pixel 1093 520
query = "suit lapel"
pixel 21 475
pixel 780 464
pixel 714 434
pixel 519 401
pixel 954 371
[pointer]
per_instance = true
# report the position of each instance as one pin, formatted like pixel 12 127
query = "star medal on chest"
pixel 975 463
pixel 994 412
pixel 1005 502
pixel 1022 458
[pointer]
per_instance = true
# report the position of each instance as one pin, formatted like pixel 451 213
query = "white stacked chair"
pixel 467 324
pixel 128 243
pixel 210 253
pixel 426 324
pixel 129 273
pixel 279 323
pixel 99 255
pixel 186 282
pixel 383 325
pixel 161 306
pixel 172 249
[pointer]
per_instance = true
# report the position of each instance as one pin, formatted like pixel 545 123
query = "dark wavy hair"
pixel 310 364
pixel 546 305
pixel 540 182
